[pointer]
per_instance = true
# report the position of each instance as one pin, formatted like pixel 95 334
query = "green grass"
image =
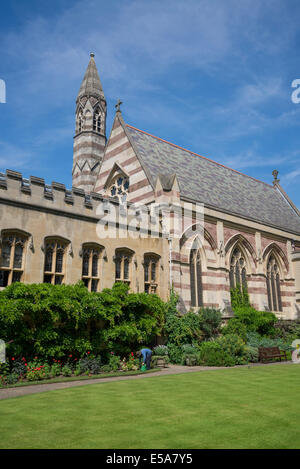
pixel 256 407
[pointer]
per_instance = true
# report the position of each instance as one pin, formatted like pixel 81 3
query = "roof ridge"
pixel 200 156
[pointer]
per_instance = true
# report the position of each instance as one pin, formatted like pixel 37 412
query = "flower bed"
pixel 22 371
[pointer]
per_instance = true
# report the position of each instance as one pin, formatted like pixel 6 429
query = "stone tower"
pixel 90 132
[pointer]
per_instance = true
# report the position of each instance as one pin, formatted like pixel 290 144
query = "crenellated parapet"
pixel 34 191
pixel 34 194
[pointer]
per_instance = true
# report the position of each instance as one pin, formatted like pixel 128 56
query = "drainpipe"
pixel 170 262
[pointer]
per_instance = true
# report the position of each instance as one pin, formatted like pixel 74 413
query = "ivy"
pixel 53 321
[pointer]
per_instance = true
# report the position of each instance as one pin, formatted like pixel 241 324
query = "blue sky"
pixel 211 76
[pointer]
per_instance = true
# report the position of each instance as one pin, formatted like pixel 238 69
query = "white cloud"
pixel 289 177
pixel 140 45
pixel 13 157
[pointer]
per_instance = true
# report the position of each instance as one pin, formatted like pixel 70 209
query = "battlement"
pixel 34 193
pixel 55 196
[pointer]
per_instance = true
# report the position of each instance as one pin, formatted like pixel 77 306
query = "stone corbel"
pixel 259 257
pixel 31 245
pixel 221 249
pixel 105 258
pixel 71 253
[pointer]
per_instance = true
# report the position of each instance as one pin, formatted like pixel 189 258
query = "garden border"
pixel 114 374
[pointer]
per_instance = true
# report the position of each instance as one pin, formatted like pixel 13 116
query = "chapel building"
pixel 154 215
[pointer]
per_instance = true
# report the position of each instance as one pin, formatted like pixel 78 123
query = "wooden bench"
pixel 267 353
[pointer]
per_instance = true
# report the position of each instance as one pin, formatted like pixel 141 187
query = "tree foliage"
pixel 55 320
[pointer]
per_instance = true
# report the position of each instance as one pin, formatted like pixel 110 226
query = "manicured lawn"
pixel 234 408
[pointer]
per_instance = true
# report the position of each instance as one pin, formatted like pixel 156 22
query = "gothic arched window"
pixel 12 258
pixel 90 266
pixel 196 278
pixel 273 285
pixel 123 266
pixel 238 274
pixel 150 273
pixel 97 120
pixel 54 265
pixel 119 188
pixel 80 121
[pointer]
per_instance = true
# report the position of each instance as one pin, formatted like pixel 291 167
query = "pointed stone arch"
pixel 276 266
pixel 280 256
pixel 247 249
pixel 197 230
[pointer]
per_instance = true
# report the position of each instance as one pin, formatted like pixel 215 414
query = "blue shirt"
pixel 144 352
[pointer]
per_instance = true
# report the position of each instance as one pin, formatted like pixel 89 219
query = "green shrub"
pixel 190 328
pixel 227 350
pixel 53 321
pixel 256 340
pixel 55 370
pixel 77 370
pixel 66 370
pixel 210 321
pixel 252 354
pixel 114 362
pixel 211 354
pixel 4 369
pixel 232 344
pixel 257 321
pixel 160 350
pixel 287 330
pixel 37 370
pixel 12 378
pixel 175 353
pixel 18 367
pixel 189 349
pixel 235 326
pixel 239 297
pixel 89 364
pixel 190 359
pixel 190 355
pixel 105 369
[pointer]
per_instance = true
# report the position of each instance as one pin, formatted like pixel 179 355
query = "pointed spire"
pixel 91 84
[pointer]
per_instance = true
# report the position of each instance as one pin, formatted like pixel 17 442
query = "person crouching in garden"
pixel 145 355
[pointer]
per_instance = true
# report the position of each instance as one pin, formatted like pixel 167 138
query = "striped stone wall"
pixel 119 151
pixel 89 144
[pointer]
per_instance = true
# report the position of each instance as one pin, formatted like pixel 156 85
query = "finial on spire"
pixel 117 106
pixel 92 54
pixel 275 174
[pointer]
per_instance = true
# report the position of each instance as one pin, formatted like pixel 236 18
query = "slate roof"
pixel 91 84
pixel 213 184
